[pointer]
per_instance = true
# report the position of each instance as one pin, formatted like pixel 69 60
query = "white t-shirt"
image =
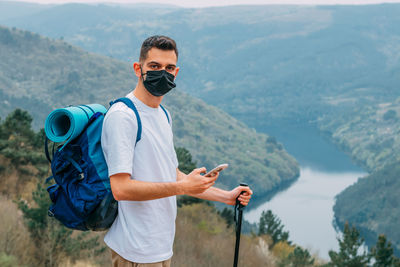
pixel 143 231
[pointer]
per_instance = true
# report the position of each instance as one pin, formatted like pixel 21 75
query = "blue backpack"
pixel 81 197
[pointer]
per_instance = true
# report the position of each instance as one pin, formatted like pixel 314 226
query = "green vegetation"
pixel 22 159
pixel 383 254
pixel 349 253
pixel 186 165
pixel 271 228
pixel 374 205
pixel 271 225
pixel 298 258
pixel 352 252
pixel 369 133
pixel 20 151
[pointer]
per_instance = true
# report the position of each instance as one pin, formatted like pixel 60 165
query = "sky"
pixel 207 3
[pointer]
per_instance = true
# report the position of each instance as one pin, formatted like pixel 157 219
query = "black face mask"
pixel 158 82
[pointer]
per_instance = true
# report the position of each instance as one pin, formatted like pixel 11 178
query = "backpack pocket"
pixel 53 192
pixel 63 211
pixel 85 198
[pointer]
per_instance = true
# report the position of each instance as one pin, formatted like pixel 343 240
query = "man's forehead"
pixel 161 56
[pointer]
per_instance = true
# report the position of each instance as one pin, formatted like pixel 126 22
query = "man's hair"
pixel 157 41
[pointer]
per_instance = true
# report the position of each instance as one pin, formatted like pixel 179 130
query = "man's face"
pixel 158 59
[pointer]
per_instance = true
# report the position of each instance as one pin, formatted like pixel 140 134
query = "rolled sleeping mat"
pixel 64 124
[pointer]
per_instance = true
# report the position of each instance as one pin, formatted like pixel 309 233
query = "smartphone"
pixel 216 170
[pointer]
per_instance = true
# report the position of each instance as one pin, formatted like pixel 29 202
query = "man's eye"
pixel 154 66
pixel 170 68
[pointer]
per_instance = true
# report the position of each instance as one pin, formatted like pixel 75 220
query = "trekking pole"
pixel 238 207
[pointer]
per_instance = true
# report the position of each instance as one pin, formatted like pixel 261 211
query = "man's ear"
pixel 137 69
pixel 176 72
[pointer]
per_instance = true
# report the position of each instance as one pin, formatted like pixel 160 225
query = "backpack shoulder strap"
pixel 130 104
pixel 166 113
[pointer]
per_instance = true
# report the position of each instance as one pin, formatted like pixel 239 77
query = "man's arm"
pixel 125 188
pixel 216 194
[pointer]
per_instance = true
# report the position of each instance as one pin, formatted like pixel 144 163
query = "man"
pixel 144 176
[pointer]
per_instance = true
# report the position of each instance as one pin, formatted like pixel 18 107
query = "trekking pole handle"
pixel 237 200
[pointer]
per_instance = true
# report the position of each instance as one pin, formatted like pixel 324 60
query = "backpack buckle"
pixel 81 176
pixel 50 214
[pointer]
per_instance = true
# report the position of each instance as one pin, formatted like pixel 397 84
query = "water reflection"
pixel 306 208
pixel 309 147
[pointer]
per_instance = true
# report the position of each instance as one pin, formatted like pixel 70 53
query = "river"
pixel 305 208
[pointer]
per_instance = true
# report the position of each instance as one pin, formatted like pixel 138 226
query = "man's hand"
pixel 195 183
pixel 243 198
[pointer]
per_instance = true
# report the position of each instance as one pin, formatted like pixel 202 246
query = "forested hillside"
pixel 371 135
pixel 273 62
pixel 39 74
pixel 374 207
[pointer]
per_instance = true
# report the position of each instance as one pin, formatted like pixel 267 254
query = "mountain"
pixel 39 74
pixel 324 65
pixel 10 10
pixel 255 62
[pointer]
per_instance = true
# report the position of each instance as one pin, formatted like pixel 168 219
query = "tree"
pixel 189 200
pixel 383 253
pixel 228 215
pixel 186 164
pixel 298 258
pixel 301 258
pixel 19 142
pixel 18 124
pixel 271 225
pixel 350 245
pixel 38 139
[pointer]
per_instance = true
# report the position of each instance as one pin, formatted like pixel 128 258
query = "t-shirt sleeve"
pixel 118 139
